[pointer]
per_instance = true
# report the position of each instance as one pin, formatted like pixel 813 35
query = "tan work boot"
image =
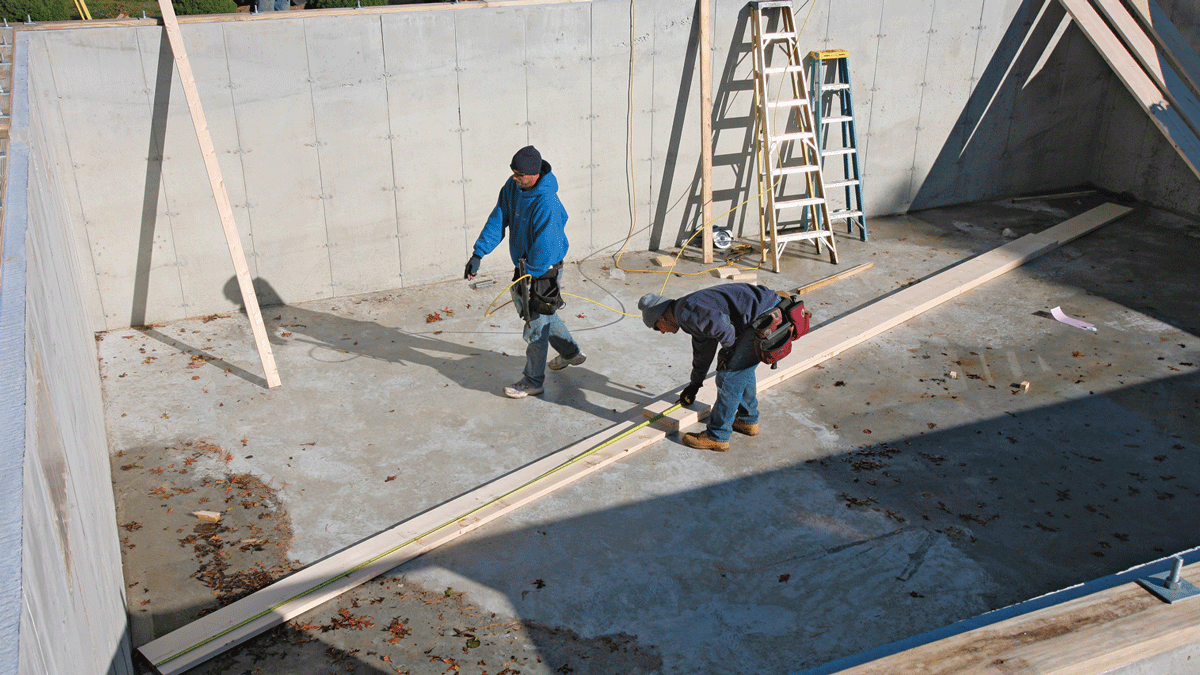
pixel 746 428
pixel 703 442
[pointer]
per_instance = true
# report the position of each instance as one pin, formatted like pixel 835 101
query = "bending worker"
pixel 528 209
pixel 717 318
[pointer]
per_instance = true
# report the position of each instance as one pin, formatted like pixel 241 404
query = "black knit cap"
pixel 527 161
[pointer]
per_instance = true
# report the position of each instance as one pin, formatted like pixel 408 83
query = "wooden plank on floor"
pixel 327 578
pixel 1147 94
pixel 832 278
pixel 864 324
pixel 1097 633
pixel 1160 70
pixel 1169 40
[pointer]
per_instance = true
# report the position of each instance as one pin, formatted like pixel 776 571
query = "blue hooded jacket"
pixel 534 220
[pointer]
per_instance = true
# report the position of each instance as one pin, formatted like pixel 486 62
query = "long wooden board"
pixel 327 578
pixel 1094 634
pixel 1147 94
pixel 833 277
pixel 1160 70
pixel 224 210
pixel 1169 40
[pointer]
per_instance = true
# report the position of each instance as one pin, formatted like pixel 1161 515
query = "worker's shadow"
pixel 469 366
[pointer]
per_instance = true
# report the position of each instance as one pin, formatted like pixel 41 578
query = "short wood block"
pixel 663 260
pixel 675 421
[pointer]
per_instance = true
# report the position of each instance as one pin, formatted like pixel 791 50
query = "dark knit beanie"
pixel 527 161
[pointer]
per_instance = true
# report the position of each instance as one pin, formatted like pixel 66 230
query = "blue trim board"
pixel 996 616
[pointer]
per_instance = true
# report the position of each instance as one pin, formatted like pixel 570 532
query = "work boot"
pixel 748 428
pixel 522 389
pixel 558 362
pixel 703 441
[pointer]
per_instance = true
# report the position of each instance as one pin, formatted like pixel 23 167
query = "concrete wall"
pixel 62 571
pixel 363 151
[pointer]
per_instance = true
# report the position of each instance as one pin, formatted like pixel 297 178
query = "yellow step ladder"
pixel 788 157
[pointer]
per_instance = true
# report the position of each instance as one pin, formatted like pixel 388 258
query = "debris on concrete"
pixel 1061 317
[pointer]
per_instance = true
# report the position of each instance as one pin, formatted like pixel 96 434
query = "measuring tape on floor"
pixel 392 550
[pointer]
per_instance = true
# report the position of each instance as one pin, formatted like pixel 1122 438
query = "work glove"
pixel 688 395
pixel 472 267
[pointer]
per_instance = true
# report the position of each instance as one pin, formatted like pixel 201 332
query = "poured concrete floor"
pixel 899 487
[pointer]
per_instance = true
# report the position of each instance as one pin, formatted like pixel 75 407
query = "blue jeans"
pixel 542 332
pixel 737 393
pixel 737 390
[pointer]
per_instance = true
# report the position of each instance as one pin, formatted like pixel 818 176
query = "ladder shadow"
pixel 735 155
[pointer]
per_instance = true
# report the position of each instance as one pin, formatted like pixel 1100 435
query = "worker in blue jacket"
pixel 717 318
pixel 529 211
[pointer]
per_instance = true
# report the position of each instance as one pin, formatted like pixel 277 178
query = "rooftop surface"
pixel 901 486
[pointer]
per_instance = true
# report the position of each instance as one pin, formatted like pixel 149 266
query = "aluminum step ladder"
pixel 788 157
pixel 834 107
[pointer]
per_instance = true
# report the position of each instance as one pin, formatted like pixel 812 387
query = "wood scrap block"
pixel 724 272
pixel 663 260
pixel 676 420
pixel 744 276
pixel 207 516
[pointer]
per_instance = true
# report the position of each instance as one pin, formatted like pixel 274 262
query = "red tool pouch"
pixel 775 330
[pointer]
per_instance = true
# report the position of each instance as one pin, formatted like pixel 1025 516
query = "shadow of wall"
pixel 1029 118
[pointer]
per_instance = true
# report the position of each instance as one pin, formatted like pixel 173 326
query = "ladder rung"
pixel 788 103
pixel 782 69
pixel 845 213
pixel 838 151
pixel 794 136
pixel 804 168
pixel 796 203
pixel 773 4
pixel 784 237
pixel 840 184
pixel 837 119
pixel 835 87
pixel 776 37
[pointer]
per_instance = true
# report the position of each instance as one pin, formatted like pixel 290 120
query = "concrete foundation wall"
pixel 363 150
pixel 70 583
